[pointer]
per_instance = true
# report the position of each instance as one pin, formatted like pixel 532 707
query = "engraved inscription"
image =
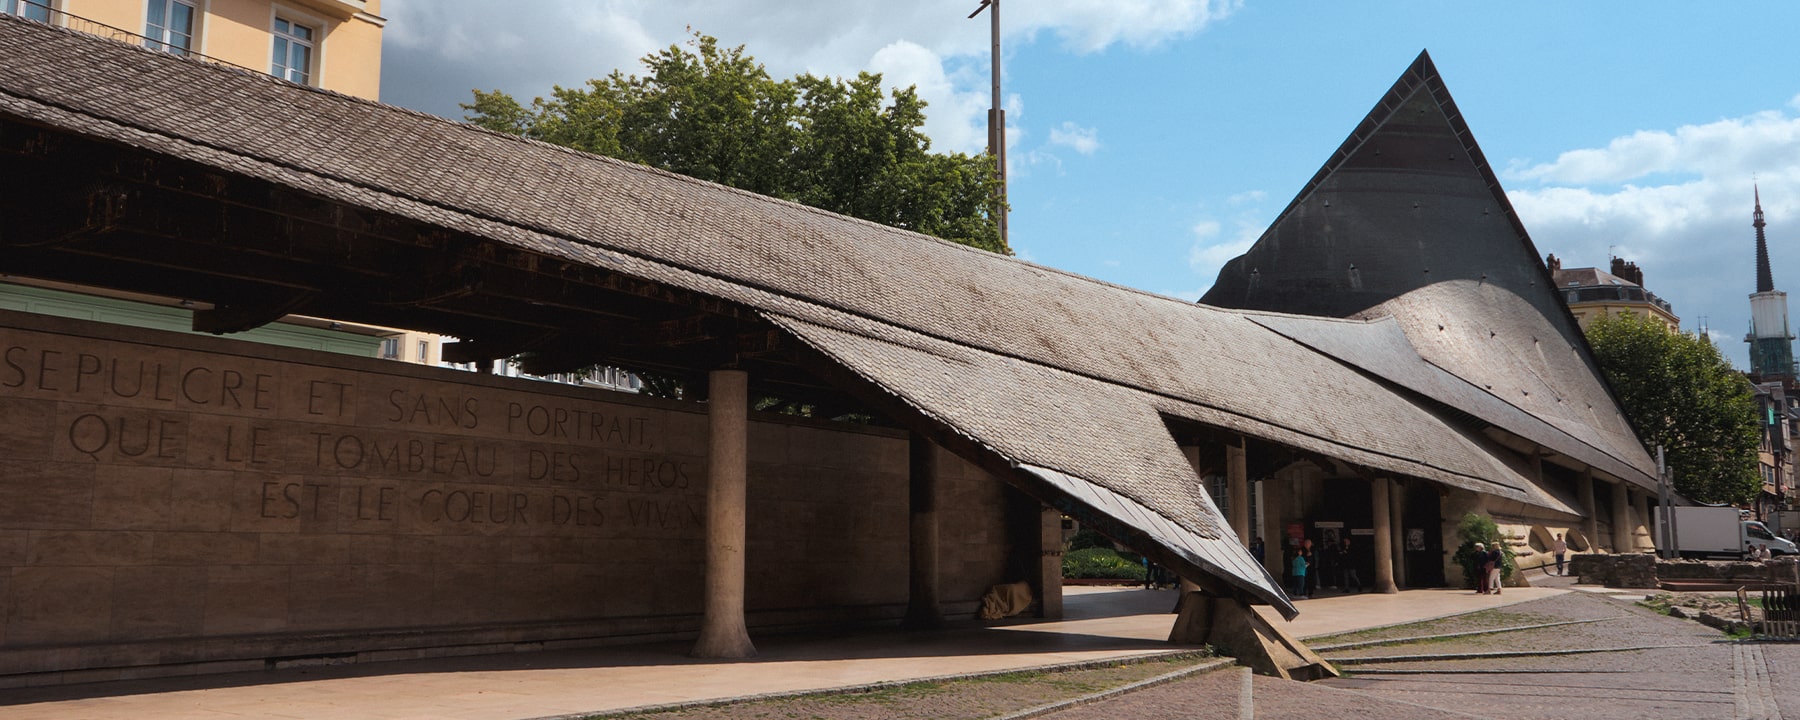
pixel 341 447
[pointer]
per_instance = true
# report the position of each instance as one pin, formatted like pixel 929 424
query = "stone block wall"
pixel 184 501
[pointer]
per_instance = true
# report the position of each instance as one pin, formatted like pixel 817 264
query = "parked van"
pixel 1720 532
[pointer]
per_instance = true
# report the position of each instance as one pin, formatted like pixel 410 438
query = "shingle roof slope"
pixel 1052 371
pixel 1407 220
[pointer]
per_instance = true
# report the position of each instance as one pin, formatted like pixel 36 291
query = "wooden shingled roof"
pixel 141 171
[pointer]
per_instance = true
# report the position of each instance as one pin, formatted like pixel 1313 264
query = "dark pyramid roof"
pixel 1408 200
pixel 1407 220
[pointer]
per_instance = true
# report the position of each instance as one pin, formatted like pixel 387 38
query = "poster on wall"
pixel 1415 539
pixel 1295 531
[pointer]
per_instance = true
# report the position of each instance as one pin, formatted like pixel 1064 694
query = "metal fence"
pixel 39 11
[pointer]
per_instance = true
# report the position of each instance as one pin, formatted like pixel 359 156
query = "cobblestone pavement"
pixel 1687 670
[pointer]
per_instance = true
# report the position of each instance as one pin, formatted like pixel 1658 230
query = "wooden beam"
pixel 238 315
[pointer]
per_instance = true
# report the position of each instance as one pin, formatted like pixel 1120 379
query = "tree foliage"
pixel 1682 394
pixel 715 114
pixel 1475 528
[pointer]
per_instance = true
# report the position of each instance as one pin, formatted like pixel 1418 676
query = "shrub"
pixel 1480 529
pixel 1088 539
pixel 1100 562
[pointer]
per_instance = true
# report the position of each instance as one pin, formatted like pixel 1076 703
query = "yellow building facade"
pixel 1591 293
pixel 330 44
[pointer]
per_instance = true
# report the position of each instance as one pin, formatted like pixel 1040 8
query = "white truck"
pixel 1719 532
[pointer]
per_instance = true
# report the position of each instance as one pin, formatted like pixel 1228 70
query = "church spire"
pixel 1765 280
pixel 1771 340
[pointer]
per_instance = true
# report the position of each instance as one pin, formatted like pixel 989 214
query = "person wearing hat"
pixel 1481 571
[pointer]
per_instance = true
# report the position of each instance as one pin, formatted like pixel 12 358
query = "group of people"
pixel 1487 575
pixel 1309 568
pixel 1759 552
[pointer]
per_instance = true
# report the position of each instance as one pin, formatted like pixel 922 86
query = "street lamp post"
pixel 996 115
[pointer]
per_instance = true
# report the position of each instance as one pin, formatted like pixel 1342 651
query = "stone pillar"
pixel 722 631
pixel 1641 504
pixel 1237 489
pixel 1050 605
pixel 922 608
pixel 1380 489
pixel 1397 530
pixel 1590 527
pixel 1621 520
pixel 1272 531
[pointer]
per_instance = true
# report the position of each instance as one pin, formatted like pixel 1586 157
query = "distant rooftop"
pixel 1585 285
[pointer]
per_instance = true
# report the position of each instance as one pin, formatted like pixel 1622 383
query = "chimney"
pixel 1628 271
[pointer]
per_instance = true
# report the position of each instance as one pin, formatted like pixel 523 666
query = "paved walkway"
pixel 1102 624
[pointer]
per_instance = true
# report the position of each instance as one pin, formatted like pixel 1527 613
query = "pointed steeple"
pixel 1765 280
pixel 1771 340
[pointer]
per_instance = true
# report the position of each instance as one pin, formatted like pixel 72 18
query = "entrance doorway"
pixel 1422 535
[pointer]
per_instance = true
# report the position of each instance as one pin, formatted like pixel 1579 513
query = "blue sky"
pixel 1151 140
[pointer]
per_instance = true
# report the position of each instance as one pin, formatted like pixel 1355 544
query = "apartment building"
pixel 330 44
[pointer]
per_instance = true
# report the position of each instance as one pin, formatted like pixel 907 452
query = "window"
pixel 38 10
pixel 390 348
pixel 1217 487
pixel 169 26
pixel 293 54
pixel 424 350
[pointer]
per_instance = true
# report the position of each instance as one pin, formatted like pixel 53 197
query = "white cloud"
pixel 1082 139
pixel 953 105
pixel 1683 212
pixel 1763 140
pixel 1248 197
pixel 1088 26
pixel 437 50
pixel 1209 253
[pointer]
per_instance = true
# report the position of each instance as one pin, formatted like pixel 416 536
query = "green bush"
pixel 1480 529
pixel 1100 562
pixel 1088 539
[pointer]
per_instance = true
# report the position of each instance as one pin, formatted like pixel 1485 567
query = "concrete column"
pixel 1380 489
pixel 1050 606
pixel 1397 530
pixel 1641 504
pixel 1272 531
pixel 1590 526
pixel 922 608
pixel 1621 519
pixel 722 631
pixel 1237 489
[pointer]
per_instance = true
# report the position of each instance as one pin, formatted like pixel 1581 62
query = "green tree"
pixel 715 114
pixel 1682 394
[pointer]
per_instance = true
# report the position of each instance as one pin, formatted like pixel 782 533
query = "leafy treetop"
pixel 1681 394
pixel 715 114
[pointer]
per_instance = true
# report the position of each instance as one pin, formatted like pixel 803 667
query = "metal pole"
pixel 1665 499
pixel 996 114
pixel 999 121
